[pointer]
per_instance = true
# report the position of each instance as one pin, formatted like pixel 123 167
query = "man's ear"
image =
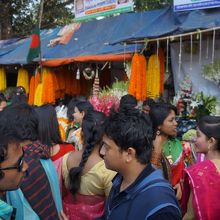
pixel 130 154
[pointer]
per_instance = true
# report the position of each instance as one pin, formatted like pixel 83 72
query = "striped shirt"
pixel 36 186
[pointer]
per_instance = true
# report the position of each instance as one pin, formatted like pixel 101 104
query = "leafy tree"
pixel 18 17
pixel 143 5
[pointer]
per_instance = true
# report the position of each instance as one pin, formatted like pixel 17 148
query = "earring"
pixel 158 132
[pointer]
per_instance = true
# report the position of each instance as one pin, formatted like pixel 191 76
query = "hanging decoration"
pixel 207 47
pixel 23 79
pixel 32 91
pixel 167 57
pixel 38 95
pixel 49 89
pixel 180 54
pixel 96 88
pixel 191 51
pixel 213 47
pixel 133 80
pixel 137 85
pixel 78 74
pixel 3 83
pixel 200 47
pixel 88 73
pixel 153 77
pixel 158 45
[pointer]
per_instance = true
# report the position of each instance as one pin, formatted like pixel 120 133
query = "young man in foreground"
pixel 139 191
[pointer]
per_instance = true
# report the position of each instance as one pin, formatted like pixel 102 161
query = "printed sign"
pixel 184 5
pixel 86 9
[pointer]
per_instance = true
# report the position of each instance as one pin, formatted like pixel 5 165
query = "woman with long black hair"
pixel 85 175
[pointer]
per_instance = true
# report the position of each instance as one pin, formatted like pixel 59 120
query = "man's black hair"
pixel 127 102
pixel 131 129
pixel 19 122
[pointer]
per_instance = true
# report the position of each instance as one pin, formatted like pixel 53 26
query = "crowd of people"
pixel 127 165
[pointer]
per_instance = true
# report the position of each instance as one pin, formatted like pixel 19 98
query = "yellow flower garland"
pixel 2 79
pixel 153 77
pixel 23 79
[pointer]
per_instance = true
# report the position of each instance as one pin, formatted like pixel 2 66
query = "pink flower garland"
pixel 105 103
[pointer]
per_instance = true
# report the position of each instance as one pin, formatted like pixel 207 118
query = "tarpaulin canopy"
pixel 100 40
pixel 165 22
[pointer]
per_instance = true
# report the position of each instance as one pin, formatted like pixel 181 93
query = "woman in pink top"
pixel 201 182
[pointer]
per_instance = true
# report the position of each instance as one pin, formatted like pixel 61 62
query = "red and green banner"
pixel 34 50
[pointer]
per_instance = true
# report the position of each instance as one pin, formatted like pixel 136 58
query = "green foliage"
pixel 18 17
pixel 143 5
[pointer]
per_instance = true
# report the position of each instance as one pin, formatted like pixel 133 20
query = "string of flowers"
pixel 153 77
pixel 32 91
pixel 133 77
pixel 48 95
pixel 23 79
pixel 38 95
pixel 3 82
pixel 137 85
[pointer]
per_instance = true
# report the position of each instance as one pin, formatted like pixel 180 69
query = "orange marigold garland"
pixel 133 77
pixel 48 95
pixel 143 77
pixel 32 91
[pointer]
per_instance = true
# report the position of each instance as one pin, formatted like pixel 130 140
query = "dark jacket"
pixel 149 197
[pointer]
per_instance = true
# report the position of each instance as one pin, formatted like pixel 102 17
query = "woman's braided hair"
pixel 93 130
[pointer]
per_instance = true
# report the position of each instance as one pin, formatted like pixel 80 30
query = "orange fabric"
pixel 107 57
pixel 31 91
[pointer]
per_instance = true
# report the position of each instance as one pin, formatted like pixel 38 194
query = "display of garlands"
pixel 88 73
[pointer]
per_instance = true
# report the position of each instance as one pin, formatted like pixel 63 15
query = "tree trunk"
pixel 5 21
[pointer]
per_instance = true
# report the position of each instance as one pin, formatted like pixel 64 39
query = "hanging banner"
pixel 87 9
pixel 184 5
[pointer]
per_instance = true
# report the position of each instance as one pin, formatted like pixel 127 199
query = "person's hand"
pixel 178 190
pixel 63 216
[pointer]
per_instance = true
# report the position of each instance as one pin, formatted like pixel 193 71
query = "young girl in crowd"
pixel 84 172
pixel 201 182
pixel 49 134
pixel 168 152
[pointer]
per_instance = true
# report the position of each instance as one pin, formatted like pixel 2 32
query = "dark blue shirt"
pixel 143 199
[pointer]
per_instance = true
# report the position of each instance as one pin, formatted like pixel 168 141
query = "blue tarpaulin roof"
pixel 103 37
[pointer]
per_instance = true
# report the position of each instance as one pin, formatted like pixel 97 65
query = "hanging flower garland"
pixel 38 95
pixel 2 79
pixel 32 91
pixel 96 84
pixel 88 73
pixel 133 79
pixel 23 79
pixel 153 77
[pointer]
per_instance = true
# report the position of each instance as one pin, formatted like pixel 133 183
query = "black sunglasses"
pixel 20 164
